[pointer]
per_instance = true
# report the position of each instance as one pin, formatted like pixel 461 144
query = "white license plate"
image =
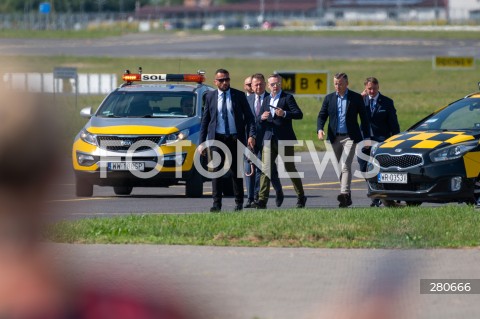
pixel 394 178
pixel 126 166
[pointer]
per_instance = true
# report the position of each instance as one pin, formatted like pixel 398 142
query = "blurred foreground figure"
pixel 386 289
pixel 30 284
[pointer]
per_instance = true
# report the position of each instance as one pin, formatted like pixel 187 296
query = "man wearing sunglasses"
pixel 247 86
pixel 227 118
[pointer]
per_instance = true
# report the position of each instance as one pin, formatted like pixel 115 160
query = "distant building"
pixel 249 9
pixel 382 10
pixel 460 10
pixel 197 3
pixel 327 10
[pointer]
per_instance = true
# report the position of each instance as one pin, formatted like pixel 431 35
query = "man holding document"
pixel 276 115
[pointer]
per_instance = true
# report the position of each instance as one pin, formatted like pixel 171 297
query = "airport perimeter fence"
pixel 81 84
pixel 82 21
pixel 59 21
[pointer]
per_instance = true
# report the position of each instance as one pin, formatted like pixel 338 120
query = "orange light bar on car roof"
pixel 131 77
pixel 198 78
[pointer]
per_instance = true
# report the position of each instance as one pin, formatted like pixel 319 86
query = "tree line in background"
pixel 78 6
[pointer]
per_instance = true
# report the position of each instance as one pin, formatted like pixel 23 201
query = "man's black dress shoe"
pixel 344 200
pixel 215 209
pixel 301 201
pixel 279 199
pixel 238 207
pixel 248 204
pixel 376 203
pixel 260 204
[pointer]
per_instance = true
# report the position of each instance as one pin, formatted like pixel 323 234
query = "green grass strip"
pixel 452 226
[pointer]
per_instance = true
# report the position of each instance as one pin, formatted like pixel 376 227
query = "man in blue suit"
pixel 227 118
pixel 276 115
pixel 342 108
pixel 383 119
pixel 252 180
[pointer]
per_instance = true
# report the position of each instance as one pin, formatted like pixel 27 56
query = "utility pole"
pixel 261 17
pixel 319 8
pixel 447 10
pixel 100 4
pixel 399 9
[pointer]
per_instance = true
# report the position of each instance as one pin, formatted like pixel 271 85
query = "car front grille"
pixel 401 161
pixel 123 143
pixel 410 187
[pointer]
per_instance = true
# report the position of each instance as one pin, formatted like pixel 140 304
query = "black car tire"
pixel 194 186
pixel 389 203
pixel 83 188
pixel 122 190
pixel 413 204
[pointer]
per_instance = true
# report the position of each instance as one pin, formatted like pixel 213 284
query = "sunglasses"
pixel 248 84
pixel 223 80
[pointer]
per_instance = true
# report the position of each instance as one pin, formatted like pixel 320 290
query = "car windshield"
pixel 148 104
pixel 461 115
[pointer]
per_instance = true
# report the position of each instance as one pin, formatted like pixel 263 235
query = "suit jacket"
pixel 244 119
pixel 281 127
pixel 251 101
pixel 355 107
pixel 383 121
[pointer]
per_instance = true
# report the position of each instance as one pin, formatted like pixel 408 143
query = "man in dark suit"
pixel 383 119
pixel 247 86
pixel 342 108
pixel 278 111
pixel 227 118
pixel 252 180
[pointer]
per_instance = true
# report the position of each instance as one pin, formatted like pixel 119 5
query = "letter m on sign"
pixel 288 82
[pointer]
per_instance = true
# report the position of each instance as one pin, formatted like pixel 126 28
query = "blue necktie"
pixel 225 113
pixel 372 106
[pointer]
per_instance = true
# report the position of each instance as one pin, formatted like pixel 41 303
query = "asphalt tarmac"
pixel 320 183
pixel 282 283
pixel 185 45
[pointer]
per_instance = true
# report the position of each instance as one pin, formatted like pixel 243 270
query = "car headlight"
pixel 452 152
pixel 175 137
pixel 88 137
pixel 374 148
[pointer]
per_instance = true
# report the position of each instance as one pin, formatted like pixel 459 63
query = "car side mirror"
pixel 86 112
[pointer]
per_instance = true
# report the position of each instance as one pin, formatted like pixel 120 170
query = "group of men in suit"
pixel 228 117
pixel 261 121
pixel 256 97
pixel 343 107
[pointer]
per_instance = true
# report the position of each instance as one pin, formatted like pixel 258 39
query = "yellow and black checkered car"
pixel 436 160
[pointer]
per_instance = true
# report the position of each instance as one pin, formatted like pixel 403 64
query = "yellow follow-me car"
pixel 142 135
pixel 436 160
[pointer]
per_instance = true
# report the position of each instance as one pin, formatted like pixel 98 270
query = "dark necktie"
pixel 372 106
pixel 225 113
pixel 258 105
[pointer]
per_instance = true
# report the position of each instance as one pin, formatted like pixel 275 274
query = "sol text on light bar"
pixel 199 78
